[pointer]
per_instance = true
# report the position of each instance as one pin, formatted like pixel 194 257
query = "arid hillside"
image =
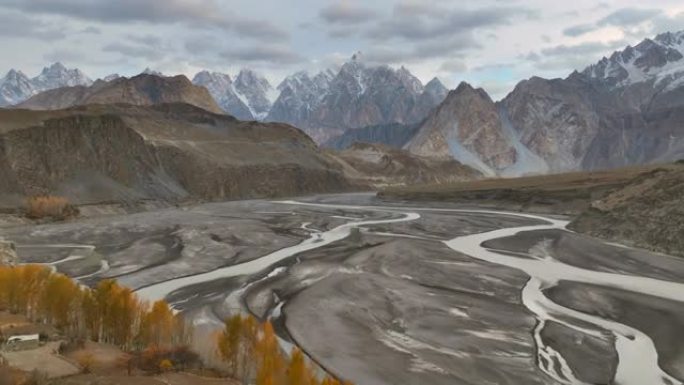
pixel 648 212
pixel 638 206
pixel 143 90
pixel 380 166
pixel 167 152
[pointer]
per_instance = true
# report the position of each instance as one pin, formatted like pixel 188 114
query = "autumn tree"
pixel 236 345
pixel 299 372
pixel 271 370
pixel 158 326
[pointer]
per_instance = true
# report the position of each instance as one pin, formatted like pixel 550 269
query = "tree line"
pixel 108 313
pixel 113 314
pixel 252 351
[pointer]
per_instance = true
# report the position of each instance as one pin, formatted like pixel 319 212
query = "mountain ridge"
pixel 142 89
pixel 620 111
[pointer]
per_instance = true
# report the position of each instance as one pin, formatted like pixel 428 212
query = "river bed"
pixel 387 293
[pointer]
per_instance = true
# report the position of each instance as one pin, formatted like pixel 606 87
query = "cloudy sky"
pixel 490 43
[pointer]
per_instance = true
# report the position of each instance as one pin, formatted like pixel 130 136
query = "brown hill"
pixel 648 212
pixel 141 90
pixel 377 165
pixel 101 153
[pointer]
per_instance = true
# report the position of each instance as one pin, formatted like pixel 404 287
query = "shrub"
pixel 86 361
pixel 59 208
pixel 165 365
pixel 181 357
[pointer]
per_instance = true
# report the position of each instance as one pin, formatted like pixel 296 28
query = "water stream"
pixel 638 358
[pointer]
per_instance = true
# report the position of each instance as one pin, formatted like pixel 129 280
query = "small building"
pixel 23 342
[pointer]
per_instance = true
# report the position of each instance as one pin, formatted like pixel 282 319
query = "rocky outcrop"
pixel 378 166
pixel 647 213
pixel 466 127
pixel 141 90
pixel 167 152
pixel 555 119
pixel 394 135
pixel 8 254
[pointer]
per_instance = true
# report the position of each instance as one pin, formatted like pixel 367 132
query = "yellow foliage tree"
pixel 165 365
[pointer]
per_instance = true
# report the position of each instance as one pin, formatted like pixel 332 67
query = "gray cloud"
pixel 64 56
pixel 568 57
pixel 453 66
pixel 578 30
pixel 124 10
pixel 624 18
pixel 274 54
pixel 17 25
pixel 419 30
pixel 197 13
pixel 432 49
pixel 587 48
pixel 344 12
pixel 91 30
pixel 200 45
pixel 148 40
pixel 665 23
pixel 135 51
pixel 627 17
pixel 414 21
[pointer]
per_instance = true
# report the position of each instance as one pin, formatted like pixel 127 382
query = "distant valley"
pixel 374 227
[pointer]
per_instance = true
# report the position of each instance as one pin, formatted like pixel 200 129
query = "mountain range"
pixel 141 90
pixel 626 109
pixel 16 87
pixel 324 105
pixel 623 110
pixel 329 103
pixel 248 97
pixel 358 96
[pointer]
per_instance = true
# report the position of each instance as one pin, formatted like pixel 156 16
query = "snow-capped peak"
pixel 57 75
pixel 15 87
pixel 659 60
pixel 111 77
pixel 410 81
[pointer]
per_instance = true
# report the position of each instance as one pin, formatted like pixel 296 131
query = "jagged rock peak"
pixel 435 85
pixel 652 59
pixel 150 71
pixel 57 75
pixel 111 77
pixel 248 77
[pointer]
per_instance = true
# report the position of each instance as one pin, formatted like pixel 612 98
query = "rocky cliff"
pixel 143 89
pixel 466 127
pixel 647 213
pixel 394 135
pixel 170 152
